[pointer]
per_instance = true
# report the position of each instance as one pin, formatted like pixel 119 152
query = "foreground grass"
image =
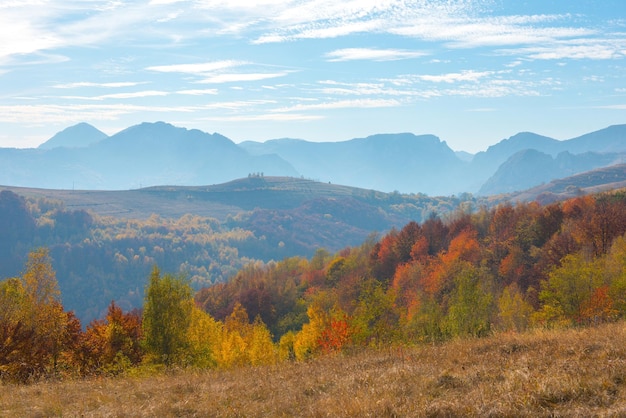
pixel 560 373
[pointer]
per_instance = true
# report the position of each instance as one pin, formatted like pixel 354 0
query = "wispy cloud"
pixel 362 89
pixel 342 104
pixel 199 69
pixel 236 77
pixel 218 72
pixel 130 95
pixel 372 54
pixel 468 75
pixel 81 84
pixel 198 92
pixel 278 117
pixel 73 113
pixel 28 27
pixel 237 105
pixel 591 49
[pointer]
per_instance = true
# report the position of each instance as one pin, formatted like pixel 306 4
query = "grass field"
pixel 543 373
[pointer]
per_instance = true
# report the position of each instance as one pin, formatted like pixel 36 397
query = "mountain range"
pixel 150 154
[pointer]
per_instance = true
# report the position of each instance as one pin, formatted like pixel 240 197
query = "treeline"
pixel 39 339
pixel 509 269
pixel 98 259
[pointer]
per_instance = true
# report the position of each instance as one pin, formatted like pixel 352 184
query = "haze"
pixel 470 72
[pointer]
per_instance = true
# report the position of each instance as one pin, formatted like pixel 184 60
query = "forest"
pixel 506 269
pixel 99 258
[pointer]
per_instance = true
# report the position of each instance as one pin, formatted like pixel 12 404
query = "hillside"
pixel 579 372
pixel 594 181
pixel 104 243
pixel 220 200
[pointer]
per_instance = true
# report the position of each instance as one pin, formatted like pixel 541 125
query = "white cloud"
pixel 29 114
pixel 234 77
pixel 278 117
pixel 342 104
pixel 198 92
pixel 362 89
pixel 236 105
pixel 456 77
pixel 133 95
pixel 373 54
pixel 161 2
pixel 215 72
pixel 599 51
pixel 130 95
pixel 198 68
pixel 91 84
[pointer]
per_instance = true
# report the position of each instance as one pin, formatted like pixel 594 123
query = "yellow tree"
pixel 513 311
pixel 205 339
pixel 262 350
pixel 43 307
pixel 33 321
pixel 236 337
pixel 306 342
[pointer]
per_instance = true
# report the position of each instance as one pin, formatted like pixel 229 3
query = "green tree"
pixel 375 320
pixel 166 318
pixel 569 289
pixel 470 303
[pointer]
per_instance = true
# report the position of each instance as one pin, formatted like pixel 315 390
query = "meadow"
pixel 572 372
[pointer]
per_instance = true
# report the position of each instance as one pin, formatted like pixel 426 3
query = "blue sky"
pixel 470 72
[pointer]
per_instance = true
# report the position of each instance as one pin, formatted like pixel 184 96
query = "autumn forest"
pixel 510 268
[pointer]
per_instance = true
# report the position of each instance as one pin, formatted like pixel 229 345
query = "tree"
pixel 44 311
pixel 166 318
pixel 205 339
pixel 39 279
pixel 470 304
pixel 375 319
pixel 337 333
pixel 569 289
pixel 112 345
pixel 513 311
pixel 306 342
pixel 35 330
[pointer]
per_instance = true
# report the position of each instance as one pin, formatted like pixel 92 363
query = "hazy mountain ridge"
pixel 158 153
pixel 386 162
pixel 529 168
pixel 593 181
pixel 77 136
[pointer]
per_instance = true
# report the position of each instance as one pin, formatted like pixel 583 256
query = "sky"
pixel 470 72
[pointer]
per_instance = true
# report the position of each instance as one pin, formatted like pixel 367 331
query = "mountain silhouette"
pixel 76 136
pixel 151 154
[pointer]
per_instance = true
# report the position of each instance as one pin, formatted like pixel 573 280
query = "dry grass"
pixel 564 373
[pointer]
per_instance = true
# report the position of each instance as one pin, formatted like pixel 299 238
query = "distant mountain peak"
pixel 76 136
